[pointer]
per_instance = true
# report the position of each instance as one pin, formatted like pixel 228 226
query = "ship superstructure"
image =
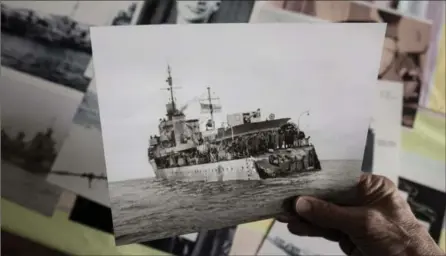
pixel 246 147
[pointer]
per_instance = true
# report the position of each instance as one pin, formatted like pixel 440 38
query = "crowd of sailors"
pixel 239 147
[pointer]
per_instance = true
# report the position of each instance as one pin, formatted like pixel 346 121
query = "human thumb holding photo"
pixel 382 223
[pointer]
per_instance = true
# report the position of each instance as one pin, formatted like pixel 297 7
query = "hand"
pixel 382 223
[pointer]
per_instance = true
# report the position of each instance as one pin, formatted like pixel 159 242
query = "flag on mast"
pixel 206 108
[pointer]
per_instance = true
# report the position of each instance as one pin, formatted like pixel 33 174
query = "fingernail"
pixel 303 206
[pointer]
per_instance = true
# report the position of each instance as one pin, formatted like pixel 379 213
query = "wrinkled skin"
pixel 379 223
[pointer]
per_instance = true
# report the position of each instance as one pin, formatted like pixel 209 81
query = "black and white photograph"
pixel 428 205
pixel 43 65
pixel 35 121
pixel 80 165
pixel 267 12
pixel 284 248
pixel 210 132
pixel 195 11
pixel 50 40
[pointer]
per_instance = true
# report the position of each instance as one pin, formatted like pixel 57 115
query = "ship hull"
pixel 240 169
pixel 258 168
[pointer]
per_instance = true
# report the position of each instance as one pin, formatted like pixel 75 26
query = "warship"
pixel 246 147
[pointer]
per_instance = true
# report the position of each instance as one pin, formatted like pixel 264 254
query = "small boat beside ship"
pixel 247 147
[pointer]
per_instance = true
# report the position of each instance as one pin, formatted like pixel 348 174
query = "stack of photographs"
pixel 45 52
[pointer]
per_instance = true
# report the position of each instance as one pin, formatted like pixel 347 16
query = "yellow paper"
pixel 427 138
pixel 438 92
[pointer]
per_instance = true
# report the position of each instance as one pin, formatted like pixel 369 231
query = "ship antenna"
pixel 74 10
pixel 170 88
pixel 211 108
pixel 169 81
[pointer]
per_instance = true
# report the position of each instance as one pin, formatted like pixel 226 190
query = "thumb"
pixel 324 214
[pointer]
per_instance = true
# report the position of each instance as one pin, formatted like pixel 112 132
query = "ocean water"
pixel 147 209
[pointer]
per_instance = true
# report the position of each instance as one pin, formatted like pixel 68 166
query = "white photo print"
pixel 209 132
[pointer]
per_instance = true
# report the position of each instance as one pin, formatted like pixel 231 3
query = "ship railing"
pixel 246 133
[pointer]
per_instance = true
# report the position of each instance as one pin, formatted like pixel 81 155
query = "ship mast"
pixel 211 108
pixel 169 82
pixel 170 88
pixel 74 10
pixel 211 105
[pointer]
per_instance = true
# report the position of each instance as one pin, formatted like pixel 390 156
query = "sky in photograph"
pixel 88 12
pixel 285 69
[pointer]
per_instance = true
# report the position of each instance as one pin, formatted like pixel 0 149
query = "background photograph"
pixel 279 241
pixel 35 121
pixel 80 165
pixel 51 40
pixel 382 155
pixel 195 11
pixel 132 130
pixel 428 205
pixel 405 47
pixel 45 51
